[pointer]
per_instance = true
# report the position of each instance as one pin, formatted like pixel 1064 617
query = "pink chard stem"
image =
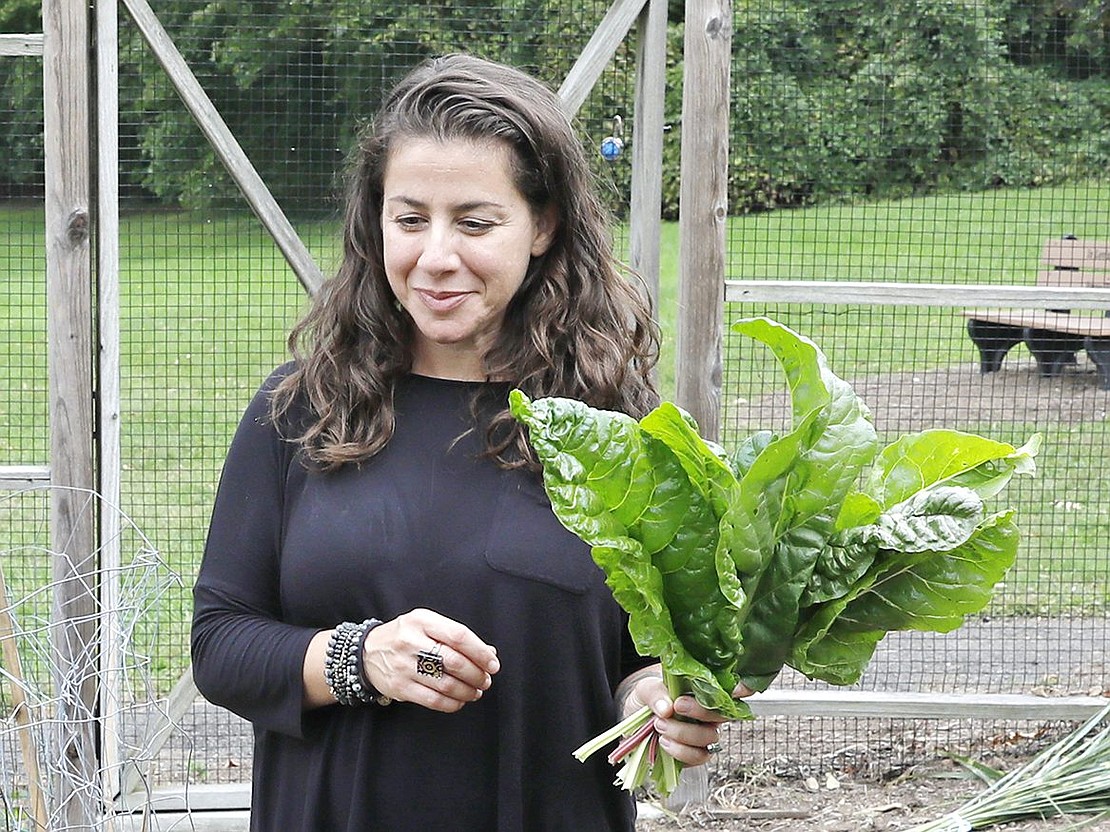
pixel 630 742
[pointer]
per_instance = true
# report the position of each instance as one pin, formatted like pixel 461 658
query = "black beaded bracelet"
pixel 344 668
pixel 334 660
pixel 371 692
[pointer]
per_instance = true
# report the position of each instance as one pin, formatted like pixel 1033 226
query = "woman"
pixel 385 593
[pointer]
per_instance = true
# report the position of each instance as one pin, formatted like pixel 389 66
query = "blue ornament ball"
pixel 611 148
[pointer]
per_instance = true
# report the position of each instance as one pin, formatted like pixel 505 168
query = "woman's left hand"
pixel 687 731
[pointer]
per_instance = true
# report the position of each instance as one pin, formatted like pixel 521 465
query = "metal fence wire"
pixel 216 298
pixel 904 146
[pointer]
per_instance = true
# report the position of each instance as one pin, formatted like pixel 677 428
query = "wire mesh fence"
pixel 916 369
pixel 905 146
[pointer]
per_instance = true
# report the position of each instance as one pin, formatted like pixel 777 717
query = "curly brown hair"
pixel 577 327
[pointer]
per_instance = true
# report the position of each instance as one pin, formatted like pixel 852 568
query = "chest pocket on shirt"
pixel 528 541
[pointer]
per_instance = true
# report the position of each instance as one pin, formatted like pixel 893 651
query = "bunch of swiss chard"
pixel 800 549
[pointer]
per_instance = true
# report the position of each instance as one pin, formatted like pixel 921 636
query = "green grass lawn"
pixel 206 302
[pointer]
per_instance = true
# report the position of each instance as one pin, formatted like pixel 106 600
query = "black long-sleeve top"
pixel 427 522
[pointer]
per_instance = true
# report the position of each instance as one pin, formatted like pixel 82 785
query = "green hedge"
pixel 839 101
pixel 832 100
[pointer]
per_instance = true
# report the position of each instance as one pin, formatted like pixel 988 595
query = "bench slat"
pixel 1089 255
pixel 1096 327
pixel 1068 277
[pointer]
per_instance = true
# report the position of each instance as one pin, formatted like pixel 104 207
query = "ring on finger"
pixel 713 748
pixel 430 662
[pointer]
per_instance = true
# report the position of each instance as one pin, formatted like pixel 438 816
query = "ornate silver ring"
pixel 430 662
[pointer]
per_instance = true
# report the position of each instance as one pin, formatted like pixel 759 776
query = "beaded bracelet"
pixel 372 693
pixel 335 663
pixel 344 668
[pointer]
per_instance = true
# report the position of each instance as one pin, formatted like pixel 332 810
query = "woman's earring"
pixel 613 146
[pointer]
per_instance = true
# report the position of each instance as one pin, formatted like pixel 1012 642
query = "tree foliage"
pixel 848 98
pixel 830 98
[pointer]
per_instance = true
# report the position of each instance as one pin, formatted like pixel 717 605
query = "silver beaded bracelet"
pixel 344 668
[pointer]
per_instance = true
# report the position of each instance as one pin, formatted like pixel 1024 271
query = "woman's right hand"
pixel 400 661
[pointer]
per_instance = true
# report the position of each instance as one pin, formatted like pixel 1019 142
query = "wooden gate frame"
pixel 648 16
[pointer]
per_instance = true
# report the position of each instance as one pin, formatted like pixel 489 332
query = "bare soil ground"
pixel 960 395
pixel 826 779
pixel 781 805
pixel 1016 394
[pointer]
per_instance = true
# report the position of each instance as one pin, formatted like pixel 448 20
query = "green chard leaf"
pixel 922 590
pixel 792 493
pixel 804 548
pixel 936 519
pixel 918 460
pixel 649 516
pixel 750 447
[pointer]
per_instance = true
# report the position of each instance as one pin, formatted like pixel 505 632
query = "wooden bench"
pixel 1053 336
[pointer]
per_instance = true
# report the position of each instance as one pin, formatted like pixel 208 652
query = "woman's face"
pixel 458 237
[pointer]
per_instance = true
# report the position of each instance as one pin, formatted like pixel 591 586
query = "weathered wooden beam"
pixel 21 709
pixel 891 705
pixel 828 292
pixel 159 727
pixel 70 406
pixel 19 477
pixel 225 144
pixel 703 209
pixel 597 53
pixel 108 393
pixel 647 146
pixel 198 798
pixel 20 45
pixel 216 820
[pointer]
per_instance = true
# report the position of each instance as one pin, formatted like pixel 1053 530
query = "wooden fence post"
pixel 108 388
pixel 703 209
pixel 703 214
pixel 647 146
pixel 69 363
